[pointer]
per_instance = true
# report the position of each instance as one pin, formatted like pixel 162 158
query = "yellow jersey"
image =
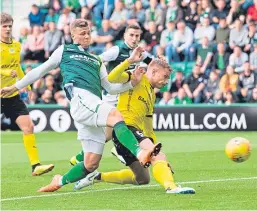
pixel 10 60
pixel 136 105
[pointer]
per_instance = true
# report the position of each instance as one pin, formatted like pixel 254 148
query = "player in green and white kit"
pixel 84 76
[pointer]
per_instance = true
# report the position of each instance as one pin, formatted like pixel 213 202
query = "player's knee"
pixel 91 166
pixel 144 179
pixel 28 128
pixel 116 116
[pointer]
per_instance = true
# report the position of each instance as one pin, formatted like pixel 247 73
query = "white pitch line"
pixel 123 188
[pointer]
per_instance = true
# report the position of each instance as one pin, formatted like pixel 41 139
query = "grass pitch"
pixel 198 159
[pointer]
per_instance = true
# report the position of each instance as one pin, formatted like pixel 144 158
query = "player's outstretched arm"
pixel 36 73
pixel 117 75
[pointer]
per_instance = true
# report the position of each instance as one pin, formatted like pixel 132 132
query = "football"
pixel 238 149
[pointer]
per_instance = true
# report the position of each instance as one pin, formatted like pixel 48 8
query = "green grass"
pixel 197 156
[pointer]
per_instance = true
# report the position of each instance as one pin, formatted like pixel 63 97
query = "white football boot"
pixel 87 181
pixel 180 190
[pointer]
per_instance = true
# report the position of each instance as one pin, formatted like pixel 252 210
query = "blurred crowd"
pixel 219 36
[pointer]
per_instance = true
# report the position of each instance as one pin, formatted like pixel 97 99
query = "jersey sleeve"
pixel 41 70
pixel 110 55
pixel 117 75
pixel 112 88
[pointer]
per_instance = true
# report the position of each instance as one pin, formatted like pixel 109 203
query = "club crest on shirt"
pixel 11 50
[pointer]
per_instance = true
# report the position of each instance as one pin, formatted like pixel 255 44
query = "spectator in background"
pixel 211 87
pixel 183 39
pixel 48 84
pixel 204 56
pixel 234 13
pixel 191 17
pixel 252 12
pixel 66 37
pixel 252 37
pixel 108 8
pixel 119 16
pixel 254 96
pixel 74 6
pixel 181 98
pixel 47 98
pixel 220 60
pixel 52 16
pixel 33 99
pixel 247 82
pixel 52 39
pixel 220 12
pixel 35 16
pixel 137 14
pixel 104 35
pixel 238 36
pixel 84 14
pixel 237 59
pixel 253 59
pixel 174 13
pixel 229 98
pixel 204 30
pixel 166 39
pixel 35 46
pixel 204 10
pixel 229 81
pixel 194 85
pixel 175 85
pixel 66 18
pixel 217 99
pixel 222 32
pixel 23 36
pixel 57 5
pixel 152 37
pixel 153 13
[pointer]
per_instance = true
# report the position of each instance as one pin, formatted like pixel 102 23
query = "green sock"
pixel 126 138
pixel 80 156
pixel 75 174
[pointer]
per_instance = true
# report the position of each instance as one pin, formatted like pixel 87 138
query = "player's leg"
pixel 163 173
pixel 18 113
pixel 92 140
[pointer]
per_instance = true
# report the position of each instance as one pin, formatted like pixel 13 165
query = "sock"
pixel 30 146
pixel 75 174
pixel 80 156
pixel 163 175
pixel 126 138
pixel 125 176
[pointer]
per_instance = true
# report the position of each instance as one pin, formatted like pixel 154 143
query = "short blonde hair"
pixel 78 23
pixel 5 18
pixel 161 63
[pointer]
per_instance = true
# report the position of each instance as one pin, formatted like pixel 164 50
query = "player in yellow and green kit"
pixel 136 106
pixel 12 106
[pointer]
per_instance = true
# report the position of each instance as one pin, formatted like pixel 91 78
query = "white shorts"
pixel 90 114
pixel 111 99
pixel 88 109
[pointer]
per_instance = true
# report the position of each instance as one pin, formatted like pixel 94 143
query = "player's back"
pixel 10 60
pixel 137 103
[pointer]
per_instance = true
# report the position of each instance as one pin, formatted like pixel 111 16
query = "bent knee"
pixel 91 166
pixel 143 181
pixel 28 128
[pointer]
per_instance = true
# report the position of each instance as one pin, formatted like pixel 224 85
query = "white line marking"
pixel 123 188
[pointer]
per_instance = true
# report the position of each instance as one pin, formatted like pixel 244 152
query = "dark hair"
pixel 133 26
pixel 5 18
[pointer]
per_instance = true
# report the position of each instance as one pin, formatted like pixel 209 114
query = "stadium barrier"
pixel 238 117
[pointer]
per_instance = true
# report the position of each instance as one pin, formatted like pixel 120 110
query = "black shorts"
pixel 123 151
pixel 13 107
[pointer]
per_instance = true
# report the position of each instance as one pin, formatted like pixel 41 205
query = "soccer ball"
pixel 238 149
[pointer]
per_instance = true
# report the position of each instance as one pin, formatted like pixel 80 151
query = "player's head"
pixel 158 73
pixel 132 35
pixel 6 26
pixel 81 32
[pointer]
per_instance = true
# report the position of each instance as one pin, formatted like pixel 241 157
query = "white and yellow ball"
pixel 238 149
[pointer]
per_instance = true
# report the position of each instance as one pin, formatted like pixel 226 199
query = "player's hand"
pixel 136 55
pixel 13 74
pixel 7 91
pixel 137 75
